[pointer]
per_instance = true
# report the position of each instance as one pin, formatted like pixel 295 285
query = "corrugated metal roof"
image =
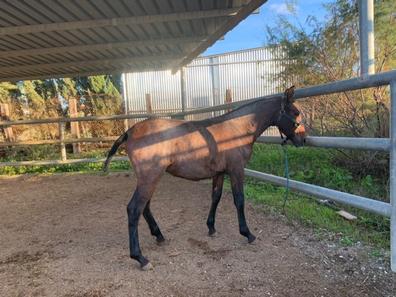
pixel 64 38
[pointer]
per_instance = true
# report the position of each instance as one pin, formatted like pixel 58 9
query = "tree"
pixel 331 52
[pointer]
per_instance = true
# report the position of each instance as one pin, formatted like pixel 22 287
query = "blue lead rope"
pixel 286 176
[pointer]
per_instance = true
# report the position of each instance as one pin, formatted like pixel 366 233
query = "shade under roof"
pixel 66 38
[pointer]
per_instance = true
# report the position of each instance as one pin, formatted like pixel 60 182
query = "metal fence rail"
pixel 369 144
pixel 368 204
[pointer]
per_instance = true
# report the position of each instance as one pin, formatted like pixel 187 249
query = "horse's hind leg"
pixel 154 229
pixel 237 177
pixel 217 189
pixel 135 208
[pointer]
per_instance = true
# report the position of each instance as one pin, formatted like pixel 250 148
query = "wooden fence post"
pixel 125 111
pixel 148 104
pixel 228 98
pixel 61 141
pixel 5 116
pixel 75 128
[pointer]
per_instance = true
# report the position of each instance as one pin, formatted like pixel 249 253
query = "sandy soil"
pixel 66 235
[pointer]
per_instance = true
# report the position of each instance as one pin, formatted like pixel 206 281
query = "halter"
pixel 283 114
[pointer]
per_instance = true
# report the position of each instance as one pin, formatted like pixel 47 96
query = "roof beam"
pixel 87 63
pixel 146 19
pixel 99 46
pixel 106 71
pixel 227 26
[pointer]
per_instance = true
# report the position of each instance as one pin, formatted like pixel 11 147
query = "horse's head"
pixel 289 120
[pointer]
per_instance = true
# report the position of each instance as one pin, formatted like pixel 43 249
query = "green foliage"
pixel 7 90
pixel 68 88
pixel 46 152
pixel 36 101
pixel 329 51
pixel 102 84
pixel 317 166
pixel 82 167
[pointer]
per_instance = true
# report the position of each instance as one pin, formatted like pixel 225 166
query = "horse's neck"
pixel 266 112
pixel 256 117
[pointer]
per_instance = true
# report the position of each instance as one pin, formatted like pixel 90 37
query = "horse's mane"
pixel 266 99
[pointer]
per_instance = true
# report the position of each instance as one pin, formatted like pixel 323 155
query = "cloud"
pixel 282 8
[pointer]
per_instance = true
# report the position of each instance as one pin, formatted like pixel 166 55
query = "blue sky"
pixel 251 32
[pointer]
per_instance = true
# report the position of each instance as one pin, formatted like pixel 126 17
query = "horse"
pixel 197 150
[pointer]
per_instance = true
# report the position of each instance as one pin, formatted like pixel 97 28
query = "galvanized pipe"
pixel 367 204
pixel 375 80
pixel 392 174
pixel 366 37
pixel 371 144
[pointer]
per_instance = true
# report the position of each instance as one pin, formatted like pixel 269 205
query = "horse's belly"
pixel 192 170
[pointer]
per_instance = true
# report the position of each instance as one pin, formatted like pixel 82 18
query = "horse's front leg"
pixel 237 177
pixel 217 189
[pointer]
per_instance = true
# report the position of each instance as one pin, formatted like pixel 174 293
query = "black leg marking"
pixel 239 201
pixel 154 229
pixel 217 189
pixel 135 208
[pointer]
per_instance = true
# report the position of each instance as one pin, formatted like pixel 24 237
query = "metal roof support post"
pixel 366 36
pixel 392 174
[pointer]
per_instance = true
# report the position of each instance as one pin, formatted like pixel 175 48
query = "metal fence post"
pixel 366 36
pixel 392 174
pixel 61 141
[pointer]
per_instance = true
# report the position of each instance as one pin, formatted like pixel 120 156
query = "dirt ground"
pixel 66 235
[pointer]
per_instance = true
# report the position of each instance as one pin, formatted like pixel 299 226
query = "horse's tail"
pixel 123 138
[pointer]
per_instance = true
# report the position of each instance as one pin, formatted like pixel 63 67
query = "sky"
pixel 251 32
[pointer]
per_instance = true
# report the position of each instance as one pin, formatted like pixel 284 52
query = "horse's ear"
pixel 289 94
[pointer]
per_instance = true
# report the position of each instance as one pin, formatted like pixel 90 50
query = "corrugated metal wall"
pixel 249 73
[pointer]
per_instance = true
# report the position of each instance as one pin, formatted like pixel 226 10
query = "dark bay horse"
pixel 198 150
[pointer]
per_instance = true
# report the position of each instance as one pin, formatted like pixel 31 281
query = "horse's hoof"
pixel 212 232
pixel 160 239
pixel 251 238
pixel 162 242
pixel 147 267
